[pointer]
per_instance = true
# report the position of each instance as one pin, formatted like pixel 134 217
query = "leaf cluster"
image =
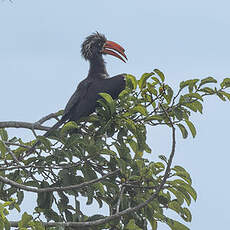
pixel 113 138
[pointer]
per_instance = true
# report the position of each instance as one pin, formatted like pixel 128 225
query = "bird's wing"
pixel 78 95
pixel 83 101
pixel 114 85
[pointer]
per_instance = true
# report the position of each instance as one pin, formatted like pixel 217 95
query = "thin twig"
pixel 16 144
pixel 120 198
pixel 48 117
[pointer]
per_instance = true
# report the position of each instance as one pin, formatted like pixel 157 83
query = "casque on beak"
pixel 109 48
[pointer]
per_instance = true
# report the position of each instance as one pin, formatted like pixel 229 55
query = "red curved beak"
pixel 110 48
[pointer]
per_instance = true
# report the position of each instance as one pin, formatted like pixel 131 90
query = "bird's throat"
pixel 97 68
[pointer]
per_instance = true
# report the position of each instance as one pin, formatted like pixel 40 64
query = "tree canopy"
pixel 101 159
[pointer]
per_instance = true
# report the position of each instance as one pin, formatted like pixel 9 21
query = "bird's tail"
pixel 57 125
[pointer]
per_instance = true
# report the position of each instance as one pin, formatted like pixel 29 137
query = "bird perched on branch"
pixel 84 100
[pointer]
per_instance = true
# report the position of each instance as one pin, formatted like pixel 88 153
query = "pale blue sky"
pixel 40 67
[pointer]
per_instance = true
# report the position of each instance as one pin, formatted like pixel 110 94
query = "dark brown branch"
pixel 53 189
pixel 62 166
pixel 24 125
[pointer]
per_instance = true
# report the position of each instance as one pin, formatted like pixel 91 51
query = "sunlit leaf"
pixel 192 82
pixel 207 90
pixel 225 83
pixel 160 74
pixel 207 80
pixel 131 81
pixel 144 78
pixel 110 102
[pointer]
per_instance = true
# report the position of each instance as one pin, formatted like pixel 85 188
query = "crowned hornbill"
pixel 84 100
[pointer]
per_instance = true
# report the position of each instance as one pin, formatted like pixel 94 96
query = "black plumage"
pixel 84 100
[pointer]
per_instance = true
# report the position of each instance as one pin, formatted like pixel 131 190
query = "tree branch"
pixel 53 189
pixel 21 124
pixel 49 116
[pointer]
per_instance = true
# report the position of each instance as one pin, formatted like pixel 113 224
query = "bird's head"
pixel 96 44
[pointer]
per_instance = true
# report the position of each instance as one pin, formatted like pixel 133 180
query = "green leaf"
pixel 207 90
pixel 7 224
pixel 110 102
pixel 198 105
pixel 88 172
pixel 153 223
pixel 190 83
pixel 3 134
pixel 20 197
pixel 154 117
pixel 160 74
pixel 193 95
pixel 44 141
pixel 163 158
pixel 194 106
pixel 225 83
pixel 51 215
pixel 122 164
pixel 181 172
pixel 220 96
pixel 225 94
pixel 45 199
pixel 132 226
pixel 131 125
pixel 99 186
pixel 3 149
pixel 90 193
pixel 191 127
pixel 107 152
pixel 147 149
pixel 178 113
pixel 26 218
pixel 71 125
pixel 181 184
pixel 177 194
pixel 131 82
pixel 175 225
pixel 207 80
pixel 183 130
pixel 186 215
pixel 175 206
pixel 144 78
pixel 139 108
pixel 169 94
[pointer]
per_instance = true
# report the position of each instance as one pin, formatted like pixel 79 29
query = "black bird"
pixel 83 101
